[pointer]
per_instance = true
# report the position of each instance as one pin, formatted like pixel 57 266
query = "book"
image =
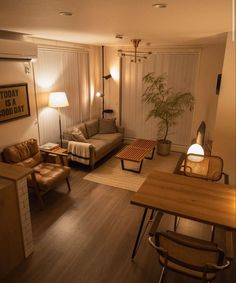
pixel 49 146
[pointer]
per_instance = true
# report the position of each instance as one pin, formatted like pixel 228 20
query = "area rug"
pixel 111 174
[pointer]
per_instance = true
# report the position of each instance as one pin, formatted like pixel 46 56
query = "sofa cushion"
pixel 92 127
pixel 82 128
pixel 67 133
pixel 114 138
pixel 107 126
pixel 32 161
pixel 49 175
pixel 100 146
pixel 77 135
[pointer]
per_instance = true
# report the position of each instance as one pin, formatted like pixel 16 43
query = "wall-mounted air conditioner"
pixel 17 50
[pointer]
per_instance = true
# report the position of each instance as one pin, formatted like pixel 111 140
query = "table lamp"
pixel 58 100
pixel 198 150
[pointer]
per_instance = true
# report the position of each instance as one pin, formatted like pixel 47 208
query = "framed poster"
pixel 14 102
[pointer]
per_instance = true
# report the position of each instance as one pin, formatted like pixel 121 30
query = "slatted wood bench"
pixel 136 152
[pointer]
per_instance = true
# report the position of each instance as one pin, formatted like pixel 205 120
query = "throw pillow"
pixel 77 135
pixel 107 126
pixel 92 127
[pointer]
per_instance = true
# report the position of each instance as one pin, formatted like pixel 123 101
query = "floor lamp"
pixel 58 100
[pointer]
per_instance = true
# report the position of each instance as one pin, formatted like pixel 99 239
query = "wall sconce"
pixel 106 77
pixel 99 94
pixel 58 100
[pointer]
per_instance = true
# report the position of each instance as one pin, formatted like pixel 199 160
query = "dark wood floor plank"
pixel 87 236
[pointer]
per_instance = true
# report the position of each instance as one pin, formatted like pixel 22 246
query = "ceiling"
pixel 98 21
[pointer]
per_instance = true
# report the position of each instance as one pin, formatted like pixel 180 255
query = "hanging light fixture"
pixel 136 55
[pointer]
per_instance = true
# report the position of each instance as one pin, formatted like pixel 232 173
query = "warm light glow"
pixel 195 149
pixel 115 73
pixel 92 92
pixel 99 94
pixel 57 99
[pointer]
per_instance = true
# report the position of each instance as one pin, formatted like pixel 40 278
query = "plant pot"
pixel 163 147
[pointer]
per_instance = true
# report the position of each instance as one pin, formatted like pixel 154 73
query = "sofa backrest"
pixel 26 153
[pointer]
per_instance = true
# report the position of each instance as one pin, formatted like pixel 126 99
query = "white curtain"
pixel 181 69
pixel 58 69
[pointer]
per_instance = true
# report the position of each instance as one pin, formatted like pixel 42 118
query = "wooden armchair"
pixel 45 176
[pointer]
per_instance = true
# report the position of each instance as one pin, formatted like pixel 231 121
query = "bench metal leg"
pixel 132 170
pixel 151 157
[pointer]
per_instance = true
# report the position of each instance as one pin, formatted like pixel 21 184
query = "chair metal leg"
pixel 139 233
pixel 212 233
pixel 152 214
pixel 226 178
pixel 177 219
pixel 68 184
pixel 162 275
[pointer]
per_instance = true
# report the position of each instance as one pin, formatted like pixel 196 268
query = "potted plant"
pixel 167 105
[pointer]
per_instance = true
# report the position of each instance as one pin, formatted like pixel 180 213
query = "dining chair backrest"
pixel 204 167
pixel 187 255
pixel 189 252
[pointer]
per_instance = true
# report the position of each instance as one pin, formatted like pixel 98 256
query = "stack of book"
pixel 49 146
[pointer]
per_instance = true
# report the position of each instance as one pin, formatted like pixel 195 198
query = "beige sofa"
pixel 90 141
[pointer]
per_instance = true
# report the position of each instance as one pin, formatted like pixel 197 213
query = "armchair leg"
pixel 68 184
pixel 37 191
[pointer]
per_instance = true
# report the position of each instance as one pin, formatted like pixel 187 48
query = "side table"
pixel 52 155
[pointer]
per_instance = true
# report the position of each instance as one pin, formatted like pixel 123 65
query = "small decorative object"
pixel 49 146
pixel 14 102
pixel 167 105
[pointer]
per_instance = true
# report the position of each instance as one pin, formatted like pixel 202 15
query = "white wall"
pixel 15 131
pixel 95 80
pixel 12 72
pixel 112 66
pixel 211 63
pixel 225 137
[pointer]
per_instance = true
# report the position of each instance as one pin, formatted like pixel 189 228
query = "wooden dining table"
pixel 200 200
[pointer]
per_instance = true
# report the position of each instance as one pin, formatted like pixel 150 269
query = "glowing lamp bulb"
pixel 195 149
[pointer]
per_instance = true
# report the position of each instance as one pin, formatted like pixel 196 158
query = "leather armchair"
pixel 45 176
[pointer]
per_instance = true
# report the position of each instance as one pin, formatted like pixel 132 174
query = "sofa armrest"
pixel 81 152
pixel 120 129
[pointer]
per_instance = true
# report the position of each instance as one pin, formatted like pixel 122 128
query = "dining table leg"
pixel 139 233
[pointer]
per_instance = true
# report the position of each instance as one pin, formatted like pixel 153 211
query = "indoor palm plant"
pixel 167 105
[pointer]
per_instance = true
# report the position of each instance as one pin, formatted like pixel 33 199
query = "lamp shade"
pixel 198 150
pixel 57 99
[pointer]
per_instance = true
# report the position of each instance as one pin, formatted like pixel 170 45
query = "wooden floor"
pixel 88 236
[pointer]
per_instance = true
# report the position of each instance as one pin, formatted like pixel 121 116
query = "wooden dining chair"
pixel 193 257
pixel 207 167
